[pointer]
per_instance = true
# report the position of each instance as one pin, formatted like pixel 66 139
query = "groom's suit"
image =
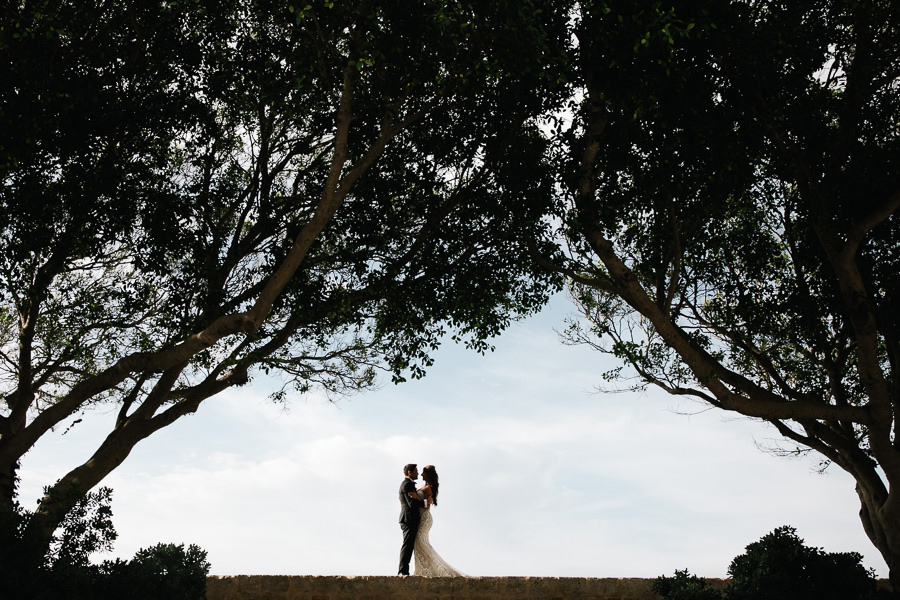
pixel 409 523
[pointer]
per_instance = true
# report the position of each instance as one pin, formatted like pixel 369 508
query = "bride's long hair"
pixel 429 474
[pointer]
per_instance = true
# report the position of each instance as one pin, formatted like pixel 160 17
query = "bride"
pixel 428 562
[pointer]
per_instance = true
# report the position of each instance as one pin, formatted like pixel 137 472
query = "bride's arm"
pixel 421 494
pixel 425 494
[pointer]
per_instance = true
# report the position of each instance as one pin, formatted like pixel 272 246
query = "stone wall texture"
pixel 257 587
pixel 314 587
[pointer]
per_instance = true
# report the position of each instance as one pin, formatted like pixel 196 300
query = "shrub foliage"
pixel 780 567
pixel 66 572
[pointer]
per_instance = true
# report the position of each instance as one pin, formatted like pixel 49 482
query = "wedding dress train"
pixel 428 562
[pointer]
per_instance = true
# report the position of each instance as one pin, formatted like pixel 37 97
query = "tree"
pixel 684 586
pixel 197 191
pixel 780 566
pixel 730 218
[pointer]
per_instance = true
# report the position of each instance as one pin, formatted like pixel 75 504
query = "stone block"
pixel 445 586
pixel 485 585
pixel 350 586
pixel 247 583
pixel 383 587
pixel 302 586
pixel 515 587
pixel 220 588
pixel 602 587
pixel 638 589
pixel 275 585
pixel 544 587
pixel 573 587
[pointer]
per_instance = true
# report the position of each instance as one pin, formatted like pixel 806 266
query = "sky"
pixel 541 474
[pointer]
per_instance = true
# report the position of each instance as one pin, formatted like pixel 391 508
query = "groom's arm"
pixel 409 494
pixel 407 487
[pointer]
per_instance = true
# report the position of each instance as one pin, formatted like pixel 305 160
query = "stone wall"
pixel 311 587
pixel 250 587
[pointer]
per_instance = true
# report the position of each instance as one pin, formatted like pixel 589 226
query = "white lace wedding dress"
pixel 428 562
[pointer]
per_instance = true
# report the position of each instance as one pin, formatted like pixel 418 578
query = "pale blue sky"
pixel 540 475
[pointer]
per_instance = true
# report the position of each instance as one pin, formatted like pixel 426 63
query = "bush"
pixel 62 571
pixel 779 566
pixel 163 572
pixel 65 572
pixel 685 586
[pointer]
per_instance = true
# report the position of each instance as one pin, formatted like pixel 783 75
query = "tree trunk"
pixel 881 522
pixel 69 490
pixel 8 474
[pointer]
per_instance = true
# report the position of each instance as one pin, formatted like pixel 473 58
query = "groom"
pixel 409 516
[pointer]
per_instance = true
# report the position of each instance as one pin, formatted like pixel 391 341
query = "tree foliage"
pixel 730 217
pixel 780 565
pixel 684 586
pixel 195 192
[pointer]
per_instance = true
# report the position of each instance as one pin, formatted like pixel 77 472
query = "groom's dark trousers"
pixel 409 523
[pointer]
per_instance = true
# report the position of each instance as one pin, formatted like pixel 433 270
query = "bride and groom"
pixel 415 522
